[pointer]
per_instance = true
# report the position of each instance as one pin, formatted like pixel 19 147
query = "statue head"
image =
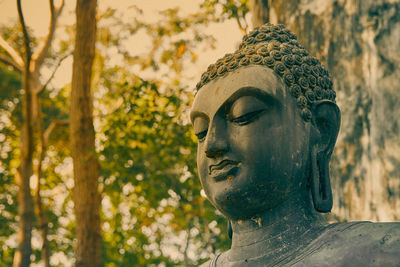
pixel 266 122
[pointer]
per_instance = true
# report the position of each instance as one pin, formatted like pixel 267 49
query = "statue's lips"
pixel 223 169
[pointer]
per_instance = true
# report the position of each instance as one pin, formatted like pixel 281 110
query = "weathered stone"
pixel 359 42
pixel 263 159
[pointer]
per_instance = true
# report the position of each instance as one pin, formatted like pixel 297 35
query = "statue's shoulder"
pixel 371 244
pixel 344 244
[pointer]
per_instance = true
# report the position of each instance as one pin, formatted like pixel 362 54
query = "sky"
pixel 37 16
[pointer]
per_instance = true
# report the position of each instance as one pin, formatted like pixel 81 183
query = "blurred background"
pixel 148 57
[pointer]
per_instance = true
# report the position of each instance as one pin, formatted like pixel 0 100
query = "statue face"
pixel 253 145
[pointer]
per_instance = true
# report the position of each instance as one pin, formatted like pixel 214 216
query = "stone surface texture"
pixel 358 42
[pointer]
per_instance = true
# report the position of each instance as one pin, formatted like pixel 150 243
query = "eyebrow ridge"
pixel 247 91
pixel 196 114
pixel 243 91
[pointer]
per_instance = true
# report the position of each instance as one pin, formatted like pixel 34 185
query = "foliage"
pixel 229 9
pixel 10 84
pixel 147 151
pixel 153 209
pixel 151 191
pixel 172 40
pixel 53 104
pixel 52 185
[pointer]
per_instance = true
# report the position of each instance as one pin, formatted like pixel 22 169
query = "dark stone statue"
pixel 267 122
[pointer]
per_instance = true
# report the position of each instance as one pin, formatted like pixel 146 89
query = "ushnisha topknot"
pixel 277 48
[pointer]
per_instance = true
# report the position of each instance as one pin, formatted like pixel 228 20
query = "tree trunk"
pixel 41 150
pixel 24 172
pixel 30 69
pixel 259 11
pixel 358 41
pixel 86 167
pixel 25 169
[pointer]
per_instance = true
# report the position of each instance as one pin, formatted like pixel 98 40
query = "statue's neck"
pixel 276 234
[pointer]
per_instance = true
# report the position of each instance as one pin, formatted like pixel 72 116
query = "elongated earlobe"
pixel 229 229
pixel 324 131
pixel 320 183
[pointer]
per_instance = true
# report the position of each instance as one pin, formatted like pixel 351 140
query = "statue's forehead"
pixel 214 94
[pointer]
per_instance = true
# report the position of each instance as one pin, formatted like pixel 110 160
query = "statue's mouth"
pixel 223 170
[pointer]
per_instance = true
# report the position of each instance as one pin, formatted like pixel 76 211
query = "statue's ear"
pixel 326 122
pixel 324 131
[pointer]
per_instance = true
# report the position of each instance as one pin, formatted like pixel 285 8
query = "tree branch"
pixel 12 52
pixel 10 62
pixel 26 36
pixel 39 207
pixel 242 28
pixel 38 91
pixel 52 126
pixel 185 252
pixel 260 11
pixel 54 14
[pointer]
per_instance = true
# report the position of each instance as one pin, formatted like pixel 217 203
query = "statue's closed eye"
pixel 248 117
pixel 201 136
pixel 200 126
pixel 246 110
pixel 243 111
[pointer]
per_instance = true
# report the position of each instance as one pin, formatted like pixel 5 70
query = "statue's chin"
pixel 240 205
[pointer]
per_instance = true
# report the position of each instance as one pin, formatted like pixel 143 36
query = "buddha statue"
pixel 266 121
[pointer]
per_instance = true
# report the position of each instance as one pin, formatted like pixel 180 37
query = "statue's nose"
pixel 217 140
